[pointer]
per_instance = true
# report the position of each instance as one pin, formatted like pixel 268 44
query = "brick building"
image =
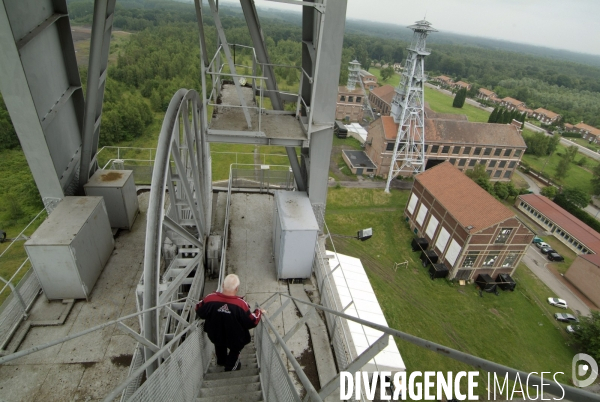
pixel 587 132
pixel 511 103
pixel 462 85
pixel 499 147
pixel 487 95
pixel 584 273
pixel 471 232
pixel 545 116
pixel 349 105
pixel 369 80
pixel 381 99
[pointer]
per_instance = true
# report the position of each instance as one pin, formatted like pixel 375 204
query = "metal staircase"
pixel 236 386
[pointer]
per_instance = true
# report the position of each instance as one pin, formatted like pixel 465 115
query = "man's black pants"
pixel 230 360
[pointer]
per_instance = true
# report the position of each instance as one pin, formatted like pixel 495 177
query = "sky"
pixel 563 24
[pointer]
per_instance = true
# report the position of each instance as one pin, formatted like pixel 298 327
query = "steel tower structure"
pixel 407 108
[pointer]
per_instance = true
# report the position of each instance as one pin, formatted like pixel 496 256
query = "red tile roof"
pixel 463 84
pixel 487 92
pixel 468 203
pixel 590 129
pixel 390 127
pixel 576 228
pixel 593 258
pixel 512 101
pixel 385 93
pixel 549 114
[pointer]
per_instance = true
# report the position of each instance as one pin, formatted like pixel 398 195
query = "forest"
pixel 163 56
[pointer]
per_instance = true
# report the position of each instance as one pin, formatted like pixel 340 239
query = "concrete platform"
pixel 86 368
pixel 229 123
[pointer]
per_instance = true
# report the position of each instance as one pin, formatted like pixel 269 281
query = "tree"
pixel 553 144
pixel 588 334
pixel 576 196
pixel 563 166
pixel 596 180
pixel 479 176
pixel 512 190
pixel 571 151
pixel 459 99
pixel 549 191
pixel 387 73
pixel 493 116
pixel 501 190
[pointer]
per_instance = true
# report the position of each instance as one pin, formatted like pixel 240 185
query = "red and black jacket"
pixel 227 319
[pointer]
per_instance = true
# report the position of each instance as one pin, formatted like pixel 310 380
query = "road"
pixel 536 262
pixel 564 141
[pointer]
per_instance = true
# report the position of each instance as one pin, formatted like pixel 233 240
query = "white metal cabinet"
pixel 295 230
pixel 70 249
pixel 120 196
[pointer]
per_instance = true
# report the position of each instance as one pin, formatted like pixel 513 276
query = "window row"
pixel 552 227
pixel 477 151
pixel 350 99
pixel 490 259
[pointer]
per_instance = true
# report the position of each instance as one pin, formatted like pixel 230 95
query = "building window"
pixel 498 152
pixel 503 235
pixel 445 149
pixel 483 162
pixel 490 259
pixel 510 260
pixel 426 147
pixel 497 173
pixel 456 151
pixel 501 164
pixel 512 164
pixel 467 151
pixel 518 153
pixel 507 152
pixel 472 162
pixel 462 162
pixel 342 98
pixel 492 163
pixel 470 259
pixel 477 151
pixel 507 174
pixel 452 161
pixel 488 151
pixel 489 173
pixel 435 149
pixel 390 146
pixel 358 99
pixel 351 99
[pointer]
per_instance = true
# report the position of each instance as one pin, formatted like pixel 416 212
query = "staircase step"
pixel 247 397
pixel 244 372
pixel 217 369
pixel 226 381
pixel 232 390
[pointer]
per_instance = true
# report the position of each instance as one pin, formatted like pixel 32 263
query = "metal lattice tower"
pixel 353 75
pixel 407 108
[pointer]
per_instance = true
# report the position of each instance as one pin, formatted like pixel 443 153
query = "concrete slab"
pixel 21 382
pixel 61 380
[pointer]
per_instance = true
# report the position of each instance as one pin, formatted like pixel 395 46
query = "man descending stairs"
pixel 241 385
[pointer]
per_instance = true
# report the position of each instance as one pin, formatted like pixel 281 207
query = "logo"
pixel 580 369
pixel 224 309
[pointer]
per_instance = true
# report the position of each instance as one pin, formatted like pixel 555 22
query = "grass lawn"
pixel 576 176
pixel 563 250
pixel 394 80
pixel 515 328
pixel 584 143
pixel 442 103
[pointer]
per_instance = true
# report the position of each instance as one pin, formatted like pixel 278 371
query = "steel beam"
pixel 97 72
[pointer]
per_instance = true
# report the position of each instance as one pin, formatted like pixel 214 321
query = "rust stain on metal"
pixel 111 176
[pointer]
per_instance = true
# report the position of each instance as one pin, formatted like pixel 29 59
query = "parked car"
pixel 547 250
pixel 536 240
pixel 555 257
pixel 542 245
pixel 573 328
pixel 564 317
pixel 554 301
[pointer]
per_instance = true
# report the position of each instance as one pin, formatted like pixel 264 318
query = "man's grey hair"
pixel 231 282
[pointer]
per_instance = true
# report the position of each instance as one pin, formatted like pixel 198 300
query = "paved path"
pixel 397 184
pixel 536 261
pixel 533 186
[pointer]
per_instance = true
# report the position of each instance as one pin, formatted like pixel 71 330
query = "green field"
pixel 515 328
pixel 394 80
pixel 442 103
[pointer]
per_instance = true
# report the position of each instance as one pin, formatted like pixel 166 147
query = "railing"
pixel 23 285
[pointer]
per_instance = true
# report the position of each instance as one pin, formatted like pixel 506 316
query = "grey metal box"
pixel 295 230
pixel 69 250
pixel 120 196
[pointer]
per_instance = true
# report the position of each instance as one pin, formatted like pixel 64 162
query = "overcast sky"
pixel 563 24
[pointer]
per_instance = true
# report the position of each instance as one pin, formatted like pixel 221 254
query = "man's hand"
pixel 263 311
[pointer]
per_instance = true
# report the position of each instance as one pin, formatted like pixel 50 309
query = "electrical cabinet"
pixel 70 249
pixel 120 196
pixel 295 230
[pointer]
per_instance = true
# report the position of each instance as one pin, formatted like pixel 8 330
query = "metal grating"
pixel 11 310
pixel 179 378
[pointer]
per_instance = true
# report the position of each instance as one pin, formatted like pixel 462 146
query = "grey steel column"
pixel 97 73
pixel 41 87
pixel 324 87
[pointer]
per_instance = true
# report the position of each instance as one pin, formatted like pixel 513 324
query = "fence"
pixel 262 177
